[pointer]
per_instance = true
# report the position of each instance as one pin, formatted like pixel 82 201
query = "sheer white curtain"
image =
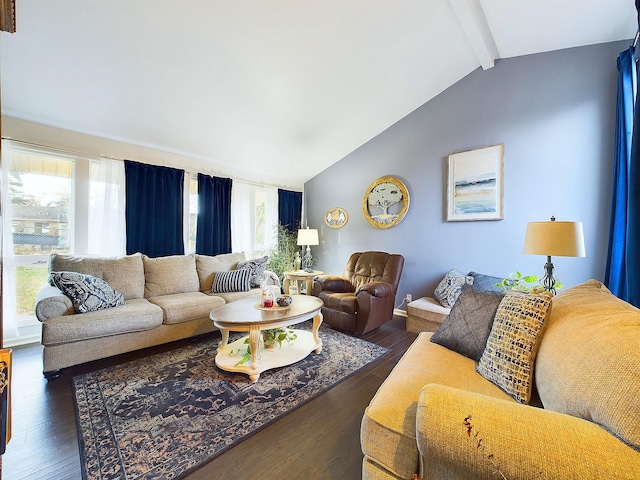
pixel 254 218
pixel 9 319
pixel 107 228
pixel 270 217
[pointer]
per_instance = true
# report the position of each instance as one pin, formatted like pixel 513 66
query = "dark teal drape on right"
pixel 616 274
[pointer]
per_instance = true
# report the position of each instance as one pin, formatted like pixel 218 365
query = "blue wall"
pixel 555 113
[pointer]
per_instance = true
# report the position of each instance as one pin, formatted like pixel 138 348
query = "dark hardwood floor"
pixel 320 440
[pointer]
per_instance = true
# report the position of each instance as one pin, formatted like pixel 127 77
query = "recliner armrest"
pixel 376 289
pixel 331 283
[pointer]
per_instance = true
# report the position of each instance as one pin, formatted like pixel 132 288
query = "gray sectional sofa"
pixel 165 299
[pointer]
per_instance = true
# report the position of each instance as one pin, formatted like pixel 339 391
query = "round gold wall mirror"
pixel 385 203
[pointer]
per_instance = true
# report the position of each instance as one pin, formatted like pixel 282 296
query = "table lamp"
pixel 565 239
pixel 307 236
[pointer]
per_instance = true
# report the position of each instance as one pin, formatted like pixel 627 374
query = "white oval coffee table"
pixel 244 316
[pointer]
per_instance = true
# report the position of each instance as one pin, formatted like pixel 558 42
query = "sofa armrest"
pixel 466 435
pixel 331 283
pixel 376 289
pixel 51 302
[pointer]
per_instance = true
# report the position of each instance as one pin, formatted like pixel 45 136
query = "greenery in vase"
pixel 520 283
pixel 282 256
pixel 270 338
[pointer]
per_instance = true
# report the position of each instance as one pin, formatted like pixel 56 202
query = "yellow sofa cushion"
pixel 588 363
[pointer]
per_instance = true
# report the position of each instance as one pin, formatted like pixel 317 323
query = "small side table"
pixel 292 280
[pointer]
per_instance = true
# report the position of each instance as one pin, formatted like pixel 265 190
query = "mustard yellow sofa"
pixel 436 417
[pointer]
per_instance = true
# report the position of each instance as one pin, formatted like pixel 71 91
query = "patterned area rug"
pixel 163 416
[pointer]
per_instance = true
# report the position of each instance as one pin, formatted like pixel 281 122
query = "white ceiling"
pixel 268 88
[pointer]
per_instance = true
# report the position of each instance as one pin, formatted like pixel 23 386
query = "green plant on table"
pixel 282 256
pixel 520 283
pixel 270 338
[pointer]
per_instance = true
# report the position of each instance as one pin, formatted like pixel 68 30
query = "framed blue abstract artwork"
pixel 475 184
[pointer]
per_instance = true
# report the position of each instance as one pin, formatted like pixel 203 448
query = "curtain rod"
pixel 96 156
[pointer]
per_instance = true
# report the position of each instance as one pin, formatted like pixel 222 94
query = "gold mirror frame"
pixel 336 217
pixel 385 198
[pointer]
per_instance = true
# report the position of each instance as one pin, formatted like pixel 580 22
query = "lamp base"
pixel 307 260
pixel 548 281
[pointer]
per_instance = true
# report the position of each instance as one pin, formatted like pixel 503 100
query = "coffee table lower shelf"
pixel 268 358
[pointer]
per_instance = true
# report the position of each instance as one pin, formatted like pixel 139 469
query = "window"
pixel 254 218
pixel 39 218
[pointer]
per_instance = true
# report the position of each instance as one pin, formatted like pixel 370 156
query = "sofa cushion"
pixel 449 288
pixel 207 265
pixel 134 316
pixel 125 274
pixel 588 363
pixel 231 281
pixel 170 275
pixel 389 422
pixel 256 266
pixel 183 307
pixel 87 293
pixel 509 355
pixel 233 296
pixel 466 329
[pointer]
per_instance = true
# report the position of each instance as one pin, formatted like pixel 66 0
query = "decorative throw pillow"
pixel 468 325
pixel 87 293
pixel 231 281
pixel 511 348
pixel 256 266
pixel 448 290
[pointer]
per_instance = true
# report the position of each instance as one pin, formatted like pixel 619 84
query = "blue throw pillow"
pixel 87 293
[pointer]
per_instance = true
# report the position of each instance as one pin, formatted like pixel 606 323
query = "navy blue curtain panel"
pixel 616 270
pixel 290 210
pixel 213 234
pixel 154 209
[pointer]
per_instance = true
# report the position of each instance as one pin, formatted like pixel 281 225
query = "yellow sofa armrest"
pixel 466 435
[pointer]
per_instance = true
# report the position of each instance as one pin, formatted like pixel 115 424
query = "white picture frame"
pixel 475 187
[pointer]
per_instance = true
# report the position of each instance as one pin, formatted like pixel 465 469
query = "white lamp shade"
pixel 564 239
pixel 308 236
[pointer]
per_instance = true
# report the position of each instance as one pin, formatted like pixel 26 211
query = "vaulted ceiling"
pixel 268 88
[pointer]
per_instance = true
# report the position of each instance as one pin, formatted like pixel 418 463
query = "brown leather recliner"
pixel 364 297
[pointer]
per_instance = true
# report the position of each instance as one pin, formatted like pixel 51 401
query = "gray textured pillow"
pixel 468 325
pixel 448 290
pixel 256 266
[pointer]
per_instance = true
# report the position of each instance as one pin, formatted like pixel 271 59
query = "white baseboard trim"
pixel 400 313
pixel 26 340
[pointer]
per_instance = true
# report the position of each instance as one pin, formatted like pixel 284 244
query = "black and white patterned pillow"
pixel 449 288
pixel 256 266
pixel 87 293
pixel 231 281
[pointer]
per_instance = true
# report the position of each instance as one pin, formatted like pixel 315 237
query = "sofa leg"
pixel 52 375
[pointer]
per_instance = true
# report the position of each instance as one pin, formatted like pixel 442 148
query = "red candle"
pixel 268 302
